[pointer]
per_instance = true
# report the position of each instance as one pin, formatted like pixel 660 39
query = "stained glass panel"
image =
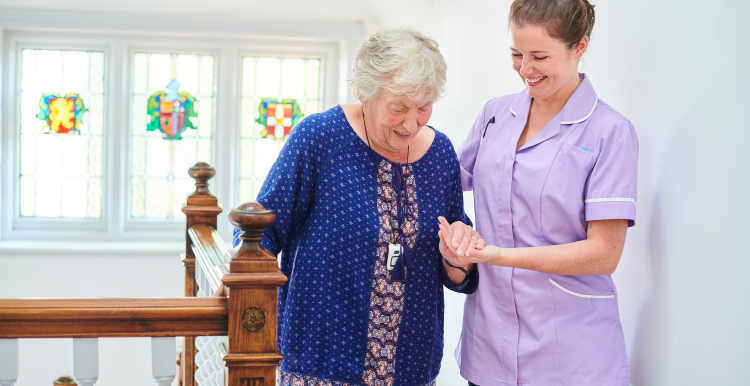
pixel 161 154
pixel 276 94
pixel 62 118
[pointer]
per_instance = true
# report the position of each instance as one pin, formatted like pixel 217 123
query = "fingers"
pixel 441 246
pixel 446 233
pixel 458 234
pixel 465 241
pixel 472 246
pixel 447 253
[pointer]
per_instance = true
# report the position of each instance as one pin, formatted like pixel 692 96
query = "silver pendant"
pixel 394 252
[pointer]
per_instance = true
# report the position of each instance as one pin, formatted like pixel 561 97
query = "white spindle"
pixel 86 360
pixel 8 362
pixel 163 363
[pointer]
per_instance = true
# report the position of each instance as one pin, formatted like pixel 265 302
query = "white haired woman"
pixel 357 192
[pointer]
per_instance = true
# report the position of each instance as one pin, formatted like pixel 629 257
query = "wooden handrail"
pixel 90 318
pixel 210 252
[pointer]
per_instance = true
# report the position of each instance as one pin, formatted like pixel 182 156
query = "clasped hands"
pixel 461 245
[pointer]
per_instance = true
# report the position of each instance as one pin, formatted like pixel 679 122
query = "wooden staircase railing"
pixel 246 317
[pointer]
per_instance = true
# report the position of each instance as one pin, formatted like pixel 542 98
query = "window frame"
pixel 229 42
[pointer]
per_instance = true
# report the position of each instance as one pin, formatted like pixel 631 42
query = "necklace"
pixel 398 251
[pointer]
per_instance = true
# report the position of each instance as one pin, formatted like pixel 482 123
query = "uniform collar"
pixel 579 107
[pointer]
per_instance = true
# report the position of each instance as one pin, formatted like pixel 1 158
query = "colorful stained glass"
pixel 279 118
pixel 170 111
pixel 265 123
pixel 60 176
pixel 159 182
pixel 62 114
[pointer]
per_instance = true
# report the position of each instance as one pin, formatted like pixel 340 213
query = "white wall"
pixel 677 69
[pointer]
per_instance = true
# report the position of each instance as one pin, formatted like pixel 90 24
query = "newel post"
pixel 253 280
pixel 202 208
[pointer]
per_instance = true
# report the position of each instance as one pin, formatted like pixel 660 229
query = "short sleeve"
pixel 612 186
pixel 467 153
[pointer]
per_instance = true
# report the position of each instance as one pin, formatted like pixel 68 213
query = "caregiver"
pixel 553 170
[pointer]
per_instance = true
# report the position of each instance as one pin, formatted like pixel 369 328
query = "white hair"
pixel 402 60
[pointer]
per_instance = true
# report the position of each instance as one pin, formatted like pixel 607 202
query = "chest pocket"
pixel 562 208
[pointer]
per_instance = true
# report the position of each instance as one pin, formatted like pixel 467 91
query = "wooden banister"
pixel 253 281
pixel 91 318
pixel 246 319
pixel 201 209
pixel 211 253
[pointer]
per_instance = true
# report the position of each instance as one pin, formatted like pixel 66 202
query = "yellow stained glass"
pixel 61 174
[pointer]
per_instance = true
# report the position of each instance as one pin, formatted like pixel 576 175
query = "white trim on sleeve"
pixel 465 172
pixel 614 199
pixel 580 295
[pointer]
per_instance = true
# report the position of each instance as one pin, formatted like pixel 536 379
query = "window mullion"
pixel 118 141
pixel 226 144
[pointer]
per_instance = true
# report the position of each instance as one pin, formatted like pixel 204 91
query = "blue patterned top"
pixel 324 191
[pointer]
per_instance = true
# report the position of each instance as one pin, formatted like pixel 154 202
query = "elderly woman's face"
pixel 397 119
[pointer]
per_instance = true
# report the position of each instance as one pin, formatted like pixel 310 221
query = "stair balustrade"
pixel 227 340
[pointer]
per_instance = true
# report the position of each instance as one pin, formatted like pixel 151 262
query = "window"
pixel 276 94
pixel 62 100
pixel 172 115
pixel 100 123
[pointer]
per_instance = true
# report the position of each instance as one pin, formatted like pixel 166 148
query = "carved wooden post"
pixel 253 281
pixel 202 208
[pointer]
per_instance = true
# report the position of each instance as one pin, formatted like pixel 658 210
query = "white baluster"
pixel 163 364
pixel 86 360
pixel 8 362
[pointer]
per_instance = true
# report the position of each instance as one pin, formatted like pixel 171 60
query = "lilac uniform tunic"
pixel 525 327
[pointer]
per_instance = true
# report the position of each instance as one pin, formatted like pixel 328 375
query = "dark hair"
pixel 565 20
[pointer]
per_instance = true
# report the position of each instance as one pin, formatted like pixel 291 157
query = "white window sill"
pixel 90 248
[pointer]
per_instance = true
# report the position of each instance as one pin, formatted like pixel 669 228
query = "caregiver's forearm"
pixel 599 254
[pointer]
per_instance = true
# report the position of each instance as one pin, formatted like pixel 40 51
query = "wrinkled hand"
pixel 460 238
pixel 449 255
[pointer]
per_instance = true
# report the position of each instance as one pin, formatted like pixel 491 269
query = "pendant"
pixel 394 252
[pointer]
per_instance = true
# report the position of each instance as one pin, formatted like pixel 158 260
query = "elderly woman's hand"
pixel 460 237
pixel 466 239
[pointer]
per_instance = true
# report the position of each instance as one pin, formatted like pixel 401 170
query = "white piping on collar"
pixel 584 118
pixel 566 122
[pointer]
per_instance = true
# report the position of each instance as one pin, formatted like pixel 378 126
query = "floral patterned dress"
pixel 342 319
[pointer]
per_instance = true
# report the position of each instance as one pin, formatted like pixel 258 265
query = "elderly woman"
pixel 357 191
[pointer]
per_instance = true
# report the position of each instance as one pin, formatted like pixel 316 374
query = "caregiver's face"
pixel 398 119
pixel 546 65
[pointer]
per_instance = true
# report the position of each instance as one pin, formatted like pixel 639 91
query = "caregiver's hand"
pixel 460 238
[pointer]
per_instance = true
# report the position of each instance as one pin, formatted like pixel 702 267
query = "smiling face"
pixel 548 68
pixel 393 121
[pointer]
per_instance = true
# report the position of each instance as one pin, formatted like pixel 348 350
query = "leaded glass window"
pixel 172 129
pixel 276 94
pixel 62 119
